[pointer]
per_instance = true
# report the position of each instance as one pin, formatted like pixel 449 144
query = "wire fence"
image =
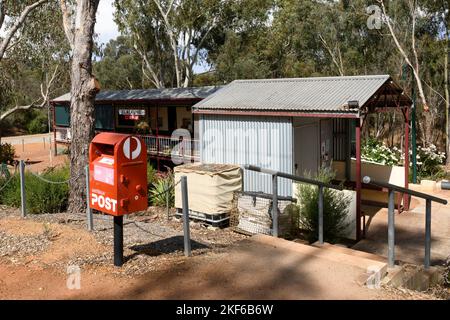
pixel 89 214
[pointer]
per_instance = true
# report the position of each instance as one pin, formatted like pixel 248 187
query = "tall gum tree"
pixel 79 21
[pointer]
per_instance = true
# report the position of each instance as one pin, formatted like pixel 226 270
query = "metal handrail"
pixel 368 180
pixel 391 219
pixel 275 174
pixel 293 177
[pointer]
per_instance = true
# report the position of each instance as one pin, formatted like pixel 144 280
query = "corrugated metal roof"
pixel 294 94
pixel 149 94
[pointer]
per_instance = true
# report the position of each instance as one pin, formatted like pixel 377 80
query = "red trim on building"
pixel 278 114
pixel 358 179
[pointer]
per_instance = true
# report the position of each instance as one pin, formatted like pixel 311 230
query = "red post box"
pixel 118 173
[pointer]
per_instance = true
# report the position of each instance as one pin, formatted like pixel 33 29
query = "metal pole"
pixel 320 214
pixel 118 241
pixel 22 188
pixel 275 205
pixel 89 217
pixel 167 204
pixel 413 136
pixel 406 196
pixel 185 202
pixel 427 233
pixel 391 229
pixel 358 177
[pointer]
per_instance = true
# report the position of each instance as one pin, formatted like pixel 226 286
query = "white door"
pixel 306 149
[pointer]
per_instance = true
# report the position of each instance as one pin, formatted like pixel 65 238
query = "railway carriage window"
pixel 104 117
pixel 62 115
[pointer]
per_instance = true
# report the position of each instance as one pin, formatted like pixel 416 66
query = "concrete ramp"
pixel 369 265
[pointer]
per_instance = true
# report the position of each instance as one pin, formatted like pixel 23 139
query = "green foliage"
pixel 375 151
pixel 119 67
pixel 7 153
pixel 42 197
pixel 151 177
pixel 162 190
pixel 38 124
pixel 335 209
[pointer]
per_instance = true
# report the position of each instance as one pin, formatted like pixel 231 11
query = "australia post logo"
pixel 132 150
pixel 103 202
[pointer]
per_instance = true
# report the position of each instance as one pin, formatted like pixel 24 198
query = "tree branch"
pixel 44 99
pixel 15 27
pixel 68 22
pixel 333 56
pixel 415 67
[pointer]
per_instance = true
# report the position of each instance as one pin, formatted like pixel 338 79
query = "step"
pixel 364 263
pixel 350 251
pixel 413 277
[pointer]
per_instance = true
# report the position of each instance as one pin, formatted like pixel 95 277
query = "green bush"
pixel 41 197
pixel 158 193
pixel 38 124
pixel 7 153
pixel 151 176
pixel 335 209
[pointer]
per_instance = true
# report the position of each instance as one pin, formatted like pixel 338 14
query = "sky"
pixel 105 26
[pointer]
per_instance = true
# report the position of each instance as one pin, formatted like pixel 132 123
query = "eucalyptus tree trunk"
pixel 83 91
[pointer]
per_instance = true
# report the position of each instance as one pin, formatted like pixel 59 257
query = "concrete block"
pixel 428 185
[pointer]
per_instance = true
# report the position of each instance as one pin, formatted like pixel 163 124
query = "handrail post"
pixel 320 214
pixel 23 200
pixel 427 234
pixel 185 205
pixel 275 205
pixel 391 229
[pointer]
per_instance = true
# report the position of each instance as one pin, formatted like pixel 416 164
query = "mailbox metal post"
pixel 118 241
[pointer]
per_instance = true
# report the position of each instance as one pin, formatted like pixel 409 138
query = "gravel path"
pixel 151 242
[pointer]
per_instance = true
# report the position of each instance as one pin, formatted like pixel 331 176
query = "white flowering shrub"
pixel 373 150
pixel 429 162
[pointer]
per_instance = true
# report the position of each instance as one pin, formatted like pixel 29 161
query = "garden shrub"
pixel 7 153
pixel 151 176
pixel 163 182
pixel 39 124
pixel 335 209
pixel 41 197
pixel 430 163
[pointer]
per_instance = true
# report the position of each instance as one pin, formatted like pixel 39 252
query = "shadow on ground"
pixel 164 246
